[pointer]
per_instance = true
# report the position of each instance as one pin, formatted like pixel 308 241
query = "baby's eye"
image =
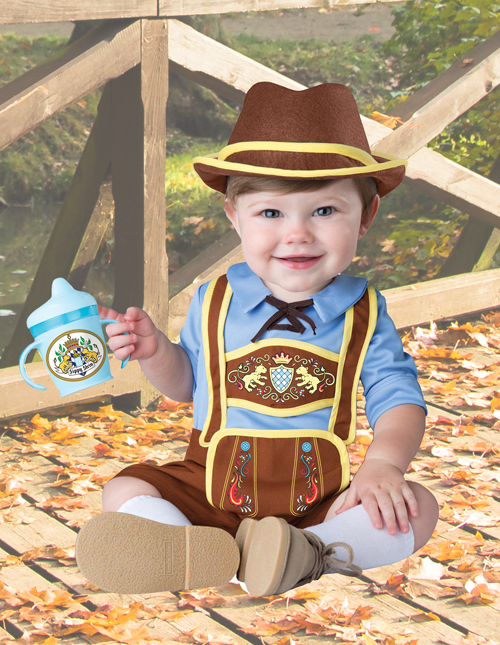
pixel 270 213
pixel 324 211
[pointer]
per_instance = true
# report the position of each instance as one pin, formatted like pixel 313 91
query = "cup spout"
pixel 60 286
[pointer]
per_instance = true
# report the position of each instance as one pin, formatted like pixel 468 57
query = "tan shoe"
pixel 243 540
pixel 280 557
pixel 124 553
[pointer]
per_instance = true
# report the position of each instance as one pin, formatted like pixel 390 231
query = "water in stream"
pixel 24 233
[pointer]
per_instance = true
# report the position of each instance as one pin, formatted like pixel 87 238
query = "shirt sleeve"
pixel 191 337
pixel 389 374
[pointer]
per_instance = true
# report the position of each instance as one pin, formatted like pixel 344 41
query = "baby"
pixel 271 355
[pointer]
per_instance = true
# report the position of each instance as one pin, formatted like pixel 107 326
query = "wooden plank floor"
pixel 53 468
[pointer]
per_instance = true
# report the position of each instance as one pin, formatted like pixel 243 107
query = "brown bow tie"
pixel 290 310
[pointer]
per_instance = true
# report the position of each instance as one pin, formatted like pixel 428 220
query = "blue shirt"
pixel 388 375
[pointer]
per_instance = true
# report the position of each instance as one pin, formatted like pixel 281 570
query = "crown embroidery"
pixel 282 359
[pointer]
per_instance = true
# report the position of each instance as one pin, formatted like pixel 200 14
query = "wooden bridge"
pixel 130 55
pixel 53 465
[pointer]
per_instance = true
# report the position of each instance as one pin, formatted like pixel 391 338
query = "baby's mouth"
pixel 299 261
pixel 300 258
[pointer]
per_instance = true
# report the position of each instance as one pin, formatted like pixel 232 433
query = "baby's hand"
pixel 133 334
pixel 384 493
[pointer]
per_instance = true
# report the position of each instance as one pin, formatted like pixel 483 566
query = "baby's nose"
pixel 298 231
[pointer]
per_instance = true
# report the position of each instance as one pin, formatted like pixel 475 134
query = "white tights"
pixel 372 547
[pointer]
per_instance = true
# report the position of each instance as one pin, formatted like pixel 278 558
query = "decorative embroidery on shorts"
pixel 237 497
pixel 281 378
pixel 310 475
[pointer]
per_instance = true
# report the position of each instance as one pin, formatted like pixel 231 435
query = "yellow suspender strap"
pixel 214 311
pixel 360 321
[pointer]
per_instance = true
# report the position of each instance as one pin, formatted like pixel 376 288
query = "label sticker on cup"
pixel 76 355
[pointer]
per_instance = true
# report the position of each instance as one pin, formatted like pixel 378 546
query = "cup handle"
pixel 108 321
pixel 22 367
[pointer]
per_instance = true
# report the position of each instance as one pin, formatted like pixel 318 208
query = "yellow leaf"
pixel 447 387
pixel 368 640
pixel 389 121
pixel 40 422
pixel 303 593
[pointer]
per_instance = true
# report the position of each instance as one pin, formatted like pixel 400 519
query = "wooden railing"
pixel 22 11
pixel 131 57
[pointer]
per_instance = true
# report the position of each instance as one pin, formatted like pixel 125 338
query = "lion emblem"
pixel 255 378
pixel 308 381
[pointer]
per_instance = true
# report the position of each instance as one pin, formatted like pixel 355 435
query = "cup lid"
pixel 64 300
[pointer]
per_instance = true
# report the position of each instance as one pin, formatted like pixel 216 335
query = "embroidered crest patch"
pixel 281 378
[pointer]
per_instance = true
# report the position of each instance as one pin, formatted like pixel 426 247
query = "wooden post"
pixel 69 229
pixel 96 230
pixel 138 176
pixel 207 259
pixel 416 304
pixel 18 398
pixel 197 7
pixel 477 243
pixel 415 102
pixel 103 53
pixel 42 11
pixel 431 119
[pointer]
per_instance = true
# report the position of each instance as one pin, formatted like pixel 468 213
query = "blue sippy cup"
pixel 68 334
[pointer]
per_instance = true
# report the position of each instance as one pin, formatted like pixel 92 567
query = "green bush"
pixel 356 64
pixel 430 36
pixel 39 166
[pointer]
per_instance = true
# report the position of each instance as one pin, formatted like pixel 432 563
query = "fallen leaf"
pixel 389 121
pixel 196 635
pixel 417 588
pixel 427 570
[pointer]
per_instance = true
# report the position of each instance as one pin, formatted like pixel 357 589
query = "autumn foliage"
pixel 55 464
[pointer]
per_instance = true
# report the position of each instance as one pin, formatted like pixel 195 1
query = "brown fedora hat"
pixel 315 133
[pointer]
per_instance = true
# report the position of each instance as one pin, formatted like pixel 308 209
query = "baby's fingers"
pixel 411 501
pixel 118 329
pixel 121 345
pixel 350 501
pixel 121 354
pixel 134 313
pixel 373 507
pixel 104 312
pixel 401 514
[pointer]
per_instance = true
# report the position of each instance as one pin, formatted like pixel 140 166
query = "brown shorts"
pixel 183 484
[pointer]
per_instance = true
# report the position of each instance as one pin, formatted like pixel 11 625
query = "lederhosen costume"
pixel 233 474
pixel 229 474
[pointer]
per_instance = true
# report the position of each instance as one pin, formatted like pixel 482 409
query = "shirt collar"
pixel 332 301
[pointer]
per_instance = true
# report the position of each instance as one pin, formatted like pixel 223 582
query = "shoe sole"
pixel 267 556
pixel 243 540
pixel 124 553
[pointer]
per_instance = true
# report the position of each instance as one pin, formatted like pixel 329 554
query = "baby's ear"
pixel 230 211
pixel 368 216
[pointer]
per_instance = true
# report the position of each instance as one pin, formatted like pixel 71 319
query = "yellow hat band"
pixel 218 160
pixel 289 146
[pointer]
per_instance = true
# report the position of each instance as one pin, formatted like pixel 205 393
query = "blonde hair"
pixel 240 185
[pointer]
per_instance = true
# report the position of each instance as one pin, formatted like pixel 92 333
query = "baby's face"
pixel 297 243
